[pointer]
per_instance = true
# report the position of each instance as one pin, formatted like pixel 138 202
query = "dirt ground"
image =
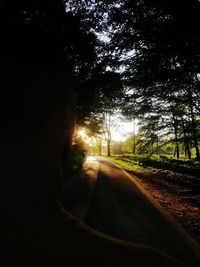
pixel 178 193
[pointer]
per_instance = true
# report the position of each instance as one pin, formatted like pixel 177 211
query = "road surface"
pixel 107 199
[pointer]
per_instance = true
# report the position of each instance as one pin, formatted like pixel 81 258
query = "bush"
pixel 74 161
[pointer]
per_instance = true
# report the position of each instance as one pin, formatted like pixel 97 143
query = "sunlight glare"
pixel 82 133
pixel 124 130
pixel 90 158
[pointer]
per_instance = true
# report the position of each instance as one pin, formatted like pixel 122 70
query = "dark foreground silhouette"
pixel 37 122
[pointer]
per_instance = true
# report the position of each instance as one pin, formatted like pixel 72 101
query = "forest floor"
pixel 178 193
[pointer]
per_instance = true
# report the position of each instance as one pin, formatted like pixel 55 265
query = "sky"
pixel 120 133
pixel 124 130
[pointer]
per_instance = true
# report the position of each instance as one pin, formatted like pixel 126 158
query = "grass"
pixel 139 162
pixel 126 163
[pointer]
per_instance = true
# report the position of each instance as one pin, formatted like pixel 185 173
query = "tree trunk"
pixel 134 145
pixel 186 141
pixel 108 148
pixel 100 150
pixel 194 125
pixel 157 146
pixel 189 152
pixel 100 147
pixel 197 151
pixel 176 152
pixel 187 147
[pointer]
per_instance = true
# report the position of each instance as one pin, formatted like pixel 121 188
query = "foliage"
pixel 155 50
pixel 74 161
pixel 158 49
pixel 117 148
pixel 138 57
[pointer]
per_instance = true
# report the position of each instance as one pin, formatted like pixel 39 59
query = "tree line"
pixel 138 57
pixel 154 45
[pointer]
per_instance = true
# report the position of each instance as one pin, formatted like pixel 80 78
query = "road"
pixel 110 201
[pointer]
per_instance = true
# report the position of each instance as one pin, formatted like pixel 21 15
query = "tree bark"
pixel 176 152
pixel 134 146
pixel 100 147
pixel 100 152
pixel 108 148
pixel 194 126
pixel 186 141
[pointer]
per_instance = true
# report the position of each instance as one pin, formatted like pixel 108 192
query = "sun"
pixel 118 137
pixel 88 140
pixel 82 133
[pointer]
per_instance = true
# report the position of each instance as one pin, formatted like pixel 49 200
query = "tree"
pixel 130 145
pixel 151 51
pixel 158 49
pixel 117 148
pixel 97 111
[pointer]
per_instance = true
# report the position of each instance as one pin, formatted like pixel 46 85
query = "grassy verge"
pixel 127 164
pixel 139 162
